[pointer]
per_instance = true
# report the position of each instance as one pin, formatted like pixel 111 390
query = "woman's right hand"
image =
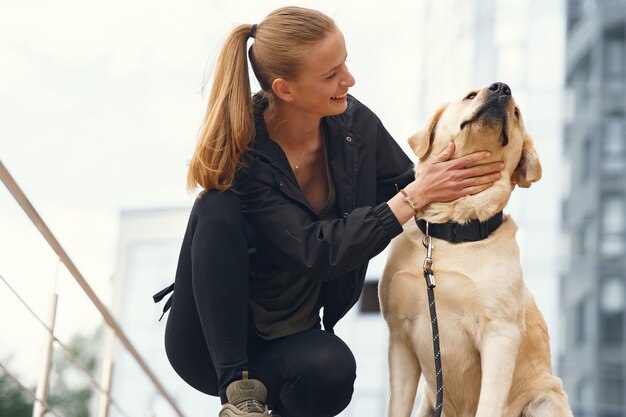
pixel 447 180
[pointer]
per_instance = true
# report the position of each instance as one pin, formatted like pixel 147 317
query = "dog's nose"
pixel 500 89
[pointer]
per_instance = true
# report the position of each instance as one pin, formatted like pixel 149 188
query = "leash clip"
pixel 428 262
pixel 427 241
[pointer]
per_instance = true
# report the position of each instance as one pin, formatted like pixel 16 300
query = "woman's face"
pixel 322 85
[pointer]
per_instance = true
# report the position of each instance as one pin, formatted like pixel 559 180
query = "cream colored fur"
pixel 494 341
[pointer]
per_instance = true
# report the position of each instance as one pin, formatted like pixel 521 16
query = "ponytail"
pixel 281 41
pixel 228 125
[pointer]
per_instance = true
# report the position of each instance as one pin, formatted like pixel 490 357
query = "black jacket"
pixel 285 233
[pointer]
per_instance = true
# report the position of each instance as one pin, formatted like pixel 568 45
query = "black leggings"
pixel 209 339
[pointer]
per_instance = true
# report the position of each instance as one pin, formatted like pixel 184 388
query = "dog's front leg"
pixel 498 354
pixel 404 374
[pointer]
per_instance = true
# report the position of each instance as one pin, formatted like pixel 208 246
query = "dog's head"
pixel 483 119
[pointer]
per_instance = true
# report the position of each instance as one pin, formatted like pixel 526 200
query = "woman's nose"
pixel 348 80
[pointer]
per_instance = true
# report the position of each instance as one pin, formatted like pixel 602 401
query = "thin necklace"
pixel 297 165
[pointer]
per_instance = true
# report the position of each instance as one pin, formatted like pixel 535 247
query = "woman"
pixel 300 189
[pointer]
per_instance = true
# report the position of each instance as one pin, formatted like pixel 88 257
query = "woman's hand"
pixel 446 180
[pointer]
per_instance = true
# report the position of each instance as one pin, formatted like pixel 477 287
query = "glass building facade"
pixel 592 282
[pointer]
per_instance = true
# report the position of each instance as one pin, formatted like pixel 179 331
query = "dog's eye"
pixel 517 112
pixel 471 96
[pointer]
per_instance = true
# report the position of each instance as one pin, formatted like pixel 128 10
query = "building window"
pixel 611 391
pixel 614 145
pixel 584 392
pixel 612 311
pixel 579 323
pixel 613 238
pixel 580 81
pixel 614 60
pixel 587 241
pixel 577 9
pixel 586 163
pixel 574 12
pixel 369 298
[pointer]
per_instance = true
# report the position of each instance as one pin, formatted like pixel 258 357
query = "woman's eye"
pixel 331 76
pixel 471 96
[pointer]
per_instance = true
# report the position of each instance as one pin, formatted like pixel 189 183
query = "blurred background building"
pixel 149 243
pixel 592 283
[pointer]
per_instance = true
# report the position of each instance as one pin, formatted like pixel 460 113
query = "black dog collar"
pixel 453 232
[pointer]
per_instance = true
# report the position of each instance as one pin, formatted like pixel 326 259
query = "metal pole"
pixel 151 412
pixel 30 211
pixel 39 409
pixel 107 373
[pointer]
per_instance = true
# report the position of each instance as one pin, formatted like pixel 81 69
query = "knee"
pixel 218 214
pixel 326 381
pixel 334 365
pixel 190 360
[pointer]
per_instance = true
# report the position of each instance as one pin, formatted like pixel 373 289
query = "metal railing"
pixel 115 332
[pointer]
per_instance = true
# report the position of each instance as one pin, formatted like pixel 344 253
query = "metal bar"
pixel 70 354
pixel 107 372
pixel 32 214
pixel 24 389
pixel 40 407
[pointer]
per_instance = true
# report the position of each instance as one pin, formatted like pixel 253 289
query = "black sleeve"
pixel 393 166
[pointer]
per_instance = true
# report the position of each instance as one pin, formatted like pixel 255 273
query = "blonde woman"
pixel 298 193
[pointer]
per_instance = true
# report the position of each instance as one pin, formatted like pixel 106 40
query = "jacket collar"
pixel 271 152
pixel 341 152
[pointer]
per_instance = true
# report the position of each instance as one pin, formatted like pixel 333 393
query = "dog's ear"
pixel 420 142
pixel 528 169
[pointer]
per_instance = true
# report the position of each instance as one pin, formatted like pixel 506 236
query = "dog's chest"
pixel 474 283
pixel 458 306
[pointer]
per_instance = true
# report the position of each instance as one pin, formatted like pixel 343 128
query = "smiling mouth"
pixel 339 97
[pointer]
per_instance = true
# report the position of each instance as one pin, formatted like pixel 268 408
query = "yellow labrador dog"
pixel 494 341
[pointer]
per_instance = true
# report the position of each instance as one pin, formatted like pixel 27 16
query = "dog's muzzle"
pixel 494 111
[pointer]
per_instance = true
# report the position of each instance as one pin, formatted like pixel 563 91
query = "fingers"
pixel 483 169
pixel 476 189
pixel 471 159
pixel 446 154
pixel 480 180
pixel 447 180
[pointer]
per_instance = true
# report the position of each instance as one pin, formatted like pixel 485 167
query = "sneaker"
pixel 246 398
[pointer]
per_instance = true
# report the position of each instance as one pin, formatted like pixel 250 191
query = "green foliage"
pixel 71 391
pixel 13 402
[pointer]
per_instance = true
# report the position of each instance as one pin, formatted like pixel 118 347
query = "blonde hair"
pixel 281 41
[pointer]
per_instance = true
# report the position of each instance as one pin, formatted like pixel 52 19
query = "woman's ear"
pixel 528 168
pixel 281 89
pixel 421 141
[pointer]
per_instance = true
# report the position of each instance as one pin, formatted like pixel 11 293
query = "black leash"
pixel 429 275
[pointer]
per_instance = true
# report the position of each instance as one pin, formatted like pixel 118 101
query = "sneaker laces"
pixel 251 406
